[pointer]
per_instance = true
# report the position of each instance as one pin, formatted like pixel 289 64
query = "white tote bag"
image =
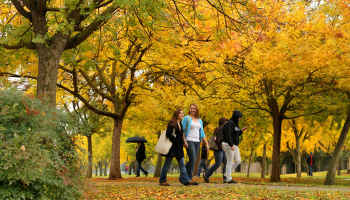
pixel 164 144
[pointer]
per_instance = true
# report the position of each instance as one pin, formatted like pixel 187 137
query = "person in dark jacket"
pixel 203 161
pixel 140 156
pixel 176 150
pixel 219 156
pixel 230 144
pixel 311 162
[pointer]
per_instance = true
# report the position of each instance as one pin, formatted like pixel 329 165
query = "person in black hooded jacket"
pixel 140 156
pixel 230 144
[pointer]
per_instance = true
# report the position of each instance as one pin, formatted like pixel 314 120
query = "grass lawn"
pixel 254 187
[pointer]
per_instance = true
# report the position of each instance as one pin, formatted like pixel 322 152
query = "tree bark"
pixel 277 126
pixel 263 164
pixel 159 162
pixel 298 157
pixel 115 161
pixel 330 177
pixel 89 170
pixel 197 163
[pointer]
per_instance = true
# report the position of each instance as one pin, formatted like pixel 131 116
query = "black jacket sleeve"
pixel 228 128
pixel 169 134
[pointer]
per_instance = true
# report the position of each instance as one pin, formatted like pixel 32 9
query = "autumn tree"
pixel 51 27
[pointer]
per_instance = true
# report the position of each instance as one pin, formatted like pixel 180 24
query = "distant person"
pixel 140 156
pixel 230 144
pixel 219 157
pixel 311 162
pixel 203 161
pixel 176 150
pixel 126 169
pixel 193 134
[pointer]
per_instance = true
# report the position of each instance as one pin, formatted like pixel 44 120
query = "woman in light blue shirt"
pixel 193 135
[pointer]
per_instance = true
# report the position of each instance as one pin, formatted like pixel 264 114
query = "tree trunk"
pixel 197 163
pixel 330 178
pixel 277 126
pixel 250 160
pixel 115 158
pixel 338 168
pixel 96 170
pixel 159 161
pixel 263 164
pixel 89 169
pixel 298 157
pixel 131 164
pixel 106 163
pixel 49 56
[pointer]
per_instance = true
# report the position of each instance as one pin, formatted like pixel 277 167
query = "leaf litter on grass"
pixel 138 188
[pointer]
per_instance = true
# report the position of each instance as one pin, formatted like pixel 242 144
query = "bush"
pixel 38 158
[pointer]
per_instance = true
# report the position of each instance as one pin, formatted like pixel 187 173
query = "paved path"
pixel 218 185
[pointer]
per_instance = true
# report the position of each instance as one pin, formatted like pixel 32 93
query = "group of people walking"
pixel 189 133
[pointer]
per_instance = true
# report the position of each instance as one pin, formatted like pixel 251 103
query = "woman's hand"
pixel 185 145
pixel 232 148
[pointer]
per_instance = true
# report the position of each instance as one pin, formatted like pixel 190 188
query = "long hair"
pixel 173 120
pixel 197 110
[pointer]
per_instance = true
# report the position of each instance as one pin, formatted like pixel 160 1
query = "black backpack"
pixel 219 136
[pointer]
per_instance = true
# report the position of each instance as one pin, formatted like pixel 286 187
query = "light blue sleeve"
pixel 184 123
pixel 201 130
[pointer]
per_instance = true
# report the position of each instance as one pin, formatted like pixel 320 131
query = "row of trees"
pixel 276 61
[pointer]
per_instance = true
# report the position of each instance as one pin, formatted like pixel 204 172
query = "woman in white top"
pixel 192 136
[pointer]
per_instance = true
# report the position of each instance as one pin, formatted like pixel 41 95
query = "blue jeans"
pixel 201 164
pixel 192 152
pixel 138 167
pixel 310 173
pixel 219 158
pixel 166 166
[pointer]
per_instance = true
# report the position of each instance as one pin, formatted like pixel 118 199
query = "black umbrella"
pixel 136 139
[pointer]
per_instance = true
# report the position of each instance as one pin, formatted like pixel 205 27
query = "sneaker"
pixel 231 181
pixel 164 184
pixel 205 178
pixel 190 182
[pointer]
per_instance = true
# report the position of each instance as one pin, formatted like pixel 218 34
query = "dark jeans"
pixel 192 152
pixel 310 167
pixel 220 157
pixel 138 167
pixel 201 164
pixel 166 166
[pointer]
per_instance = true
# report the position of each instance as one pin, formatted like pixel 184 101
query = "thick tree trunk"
pixel 197 163
pixel 101 168
pixel 298 157
pixel 277 126
pixel 159 162
pixel 158 166
pixel 96 170
pixel 330 177
pixel 89 169
pixel 49 57
pixel 263 164
pixel 115 159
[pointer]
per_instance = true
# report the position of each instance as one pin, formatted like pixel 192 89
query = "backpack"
pixel 219 136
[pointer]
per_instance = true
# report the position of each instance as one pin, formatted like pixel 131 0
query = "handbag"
pixel 164 144
pixel 212 144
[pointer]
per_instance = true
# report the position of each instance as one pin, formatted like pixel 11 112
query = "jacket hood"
pixel 235 116
pixel 222 120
